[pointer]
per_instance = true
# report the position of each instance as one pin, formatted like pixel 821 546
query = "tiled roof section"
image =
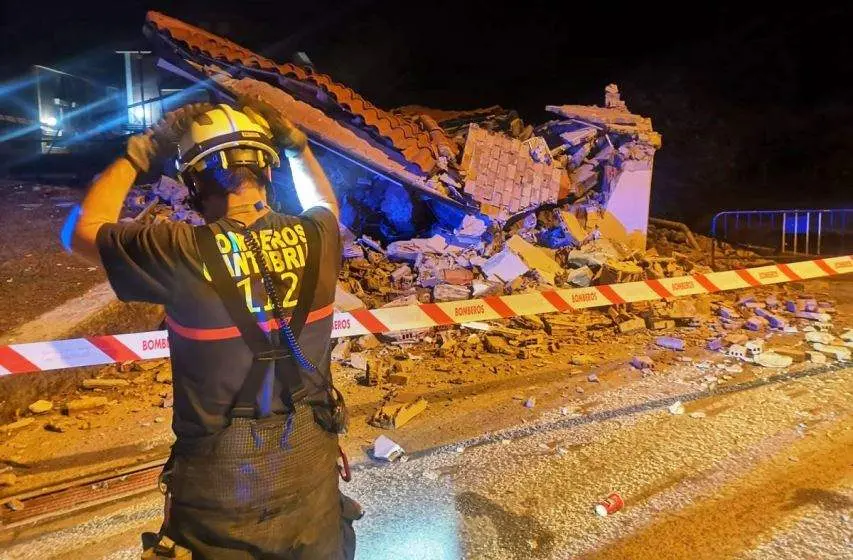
pixel 501 175
pixel 415 144
pixel 335 135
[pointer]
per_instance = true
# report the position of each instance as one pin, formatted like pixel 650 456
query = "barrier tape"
pixel 99 350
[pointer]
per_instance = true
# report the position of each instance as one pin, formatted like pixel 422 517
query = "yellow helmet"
pixel 236 137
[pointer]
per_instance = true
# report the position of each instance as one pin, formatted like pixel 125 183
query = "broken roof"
pixel 502 175
pixel 419 146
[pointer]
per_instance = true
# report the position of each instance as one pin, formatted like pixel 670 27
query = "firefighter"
pixel 248 298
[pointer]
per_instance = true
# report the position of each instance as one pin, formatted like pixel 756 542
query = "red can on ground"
pixel 609 505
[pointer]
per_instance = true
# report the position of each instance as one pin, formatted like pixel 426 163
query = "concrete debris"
pixel 583 360
pixel 676 408
pixel 345 301
pixel 642 362
pixel 342 350
pixel 631 325
pixel 8 479
pixel 376 372
pixel 535 258
pixel 41 407
pixel 822 337
pixel 164 376
pixel 366 342
pixel 471 227
pixel 813 316
pixel 15 426
pixel 394 415
pixel 580 277
pixel 496 344
pixel 841 353
pixel 670 342
pixel 358 360
pixel 450 292
pixel 505 266
pixel 385 449
pixel 773 360
pixel 592 378
pixel 530 402
pixel 104 383
pixel 797 355
pixel 85 403
pixel 816 357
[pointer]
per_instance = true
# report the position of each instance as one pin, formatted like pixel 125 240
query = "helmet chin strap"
pixel 244 208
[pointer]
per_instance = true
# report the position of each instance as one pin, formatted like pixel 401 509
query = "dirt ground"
pixel 466 397
pixel 36 274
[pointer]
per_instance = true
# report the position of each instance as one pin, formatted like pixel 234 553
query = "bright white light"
pixel 49 121
pixel 139 113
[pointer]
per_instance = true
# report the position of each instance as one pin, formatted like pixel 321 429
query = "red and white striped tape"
pixel 98 350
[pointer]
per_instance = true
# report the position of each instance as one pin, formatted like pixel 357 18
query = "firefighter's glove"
pixel 292 140
pixel 160 140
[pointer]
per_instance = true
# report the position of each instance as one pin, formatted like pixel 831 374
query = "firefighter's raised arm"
pixel 103 202
pixel 310 182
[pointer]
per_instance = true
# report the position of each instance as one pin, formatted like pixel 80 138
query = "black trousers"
pixel 263 488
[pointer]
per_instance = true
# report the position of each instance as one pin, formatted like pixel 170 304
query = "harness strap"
pixel 265 349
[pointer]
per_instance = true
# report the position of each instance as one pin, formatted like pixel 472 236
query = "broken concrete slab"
pixel 345 301
pixel 580 277
pixel 85 403
pixel 41 407
pixel 496 344
pixel 841 353
pixel 795 354
pixel 822 337
pixel 631 325
pixel 15 426
pixel 506 266
pixel 396 415
pixel 816 357
pixel 773 360
pixel 670 342
pixel 482 288
pixel 535 258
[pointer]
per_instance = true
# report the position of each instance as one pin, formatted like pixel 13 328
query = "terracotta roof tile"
pixel 419 146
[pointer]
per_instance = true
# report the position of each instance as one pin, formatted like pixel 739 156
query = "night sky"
pixel 754 105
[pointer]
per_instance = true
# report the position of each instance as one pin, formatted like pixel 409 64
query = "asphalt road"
pixel 760 473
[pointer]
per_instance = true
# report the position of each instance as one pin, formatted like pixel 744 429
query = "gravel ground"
pixel 761 473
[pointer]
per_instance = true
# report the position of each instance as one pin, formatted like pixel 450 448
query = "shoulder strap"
pixel 310 277
pixel 228 292
pixel 264 349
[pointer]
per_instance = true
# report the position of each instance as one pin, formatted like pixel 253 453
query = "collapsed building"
pixel 441 205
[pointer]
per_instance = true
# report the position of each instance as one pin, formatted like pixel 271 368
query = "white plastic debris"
pixel 386 450
pixel 676 408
